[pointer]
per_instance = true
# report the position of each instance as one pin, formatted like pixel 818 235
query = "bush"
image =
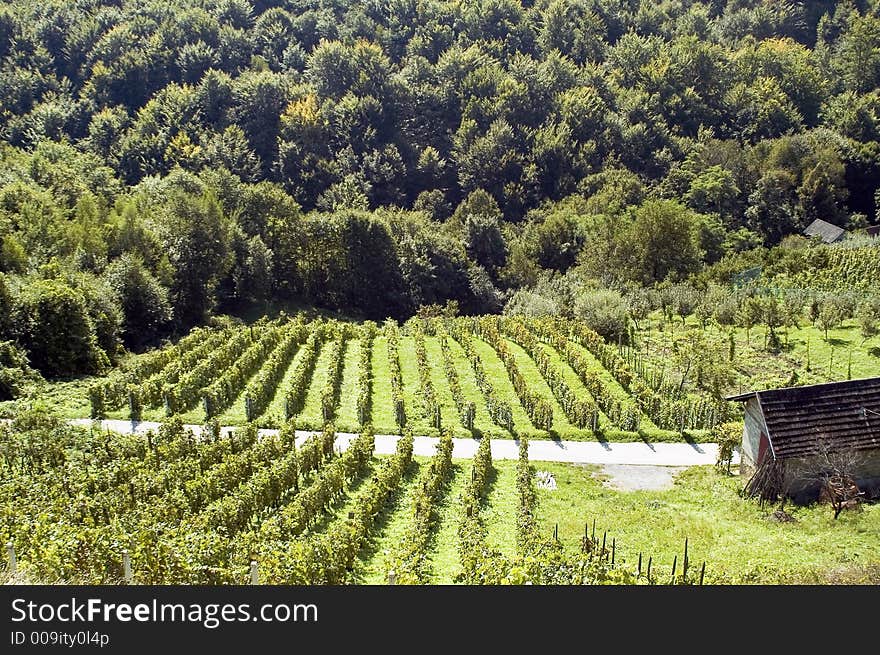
pixel 15 372
pixel 53 324
pixel 605 311
pixel 728 436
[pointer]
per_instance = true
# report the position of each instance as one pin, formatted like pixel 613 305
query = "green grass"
pixel 412 388
pixel 561 425
pixel 310 416
pixel 346 419
pixel 235 413
pixel 467 379
pixel 449 417
pixel 613 386
pixel 499 509
pixel 347 503
pixel 382 405
pixel 494 368
pixel 844 355
pixel 574 381
pixel 444 554
pixel 66 398
pixel 734 536
pixel 274 415
pixel 388 529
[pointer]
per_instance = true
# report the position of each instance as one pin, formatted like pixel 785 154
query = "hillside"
pixel 163 162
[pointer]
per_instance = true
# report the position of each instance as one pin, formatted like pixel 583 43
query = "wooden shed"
pixel 828 232
pixel 791 435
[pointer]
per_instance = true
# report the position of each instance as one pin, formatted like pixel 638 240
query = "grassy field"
pixel 448 414
pixel 736 538
pixel 383 406
pixel 482 423
pixel 390 526
pixel 412 391
pixel 444 554
pixel 529 369
pixel 346 411
pixel 310 416
pixel 495 370
pixel 805 355
pixel 496 511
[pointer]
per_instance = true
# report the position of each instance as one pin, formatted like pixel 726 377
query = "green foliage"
pixel 365 374
pixel 728 436
pixel 195 236
pixel 409 561
pixel 52 322
pixel 143 301
pixel 662 242
pixel 15 372
pixel 605 311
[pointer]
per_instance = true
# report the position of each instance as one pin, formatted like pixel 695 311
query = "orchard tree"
pixel 830 315
pixel 869 317
pixel 749 315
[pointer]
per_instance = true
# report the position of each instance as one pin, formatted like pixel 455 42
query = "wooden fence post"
pixel 126 567
pixel 255 572
pixel 684 564
pixel 392 577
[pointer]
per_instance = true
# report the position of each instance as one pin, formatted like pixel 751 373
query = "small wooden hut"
pixel 793 436
pixel 828 232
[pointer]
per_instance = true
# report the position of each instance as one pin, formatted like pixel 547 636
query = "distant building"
pixel 789 433
pixel 826 231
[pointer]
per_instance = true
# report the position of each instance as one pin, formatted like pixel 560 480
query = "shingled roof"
pixel 844 415
pixel 828 232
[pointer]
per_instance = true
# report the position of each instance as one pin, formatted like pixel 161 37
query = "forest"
pixel 167 162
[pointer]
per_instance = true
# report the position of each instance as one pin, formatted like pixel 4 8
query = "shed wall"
pixel 753 426
pixel 798 472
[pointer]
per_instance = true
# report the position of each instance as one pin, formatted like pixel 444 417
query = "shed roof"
pixel 844 415
pixel 828 232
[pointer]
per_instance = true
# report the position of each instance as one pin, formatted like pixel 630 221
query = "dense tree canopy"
pixel 225 155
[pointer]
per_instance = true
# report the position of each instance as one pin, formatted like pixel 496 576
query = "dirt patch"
pixel 630 477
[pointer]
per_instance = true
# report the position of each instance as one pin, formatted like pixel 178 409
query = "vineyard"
pixel 288 507
pixel 839 268
pixel 495 376
pixel 94 507
pixel 200 509
pixel 307 504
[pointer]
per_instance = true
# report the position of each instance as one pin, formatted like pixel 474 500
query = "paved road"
pixel 582 452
